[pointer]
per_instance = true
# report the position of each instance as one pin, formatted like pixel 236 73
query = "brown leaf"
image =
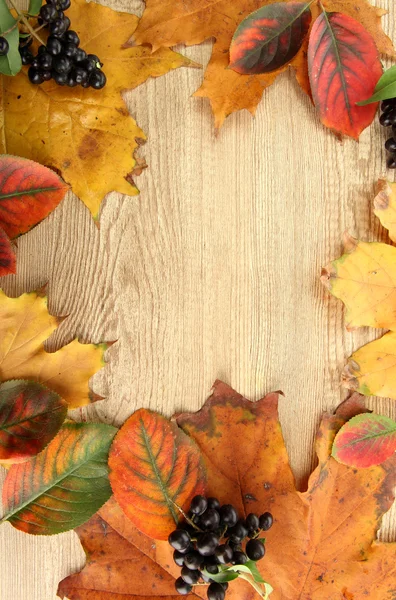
pixel 322 545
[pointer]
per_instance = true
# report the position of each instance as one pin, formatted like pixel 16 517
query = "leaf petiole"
pixel 15 25
pixel 187 518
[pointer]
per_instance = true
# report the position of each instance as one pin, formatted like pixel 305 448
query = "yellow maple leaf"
pixel 166 24
pixel 364 278
pixel 25 324
pixel 88 135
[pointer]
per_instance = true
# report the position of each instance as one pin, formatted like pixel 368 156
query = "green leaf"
pixel 223 576
pixel 65 485
pixel 252 566
pixel 385 88
pixel 34 7
pixel 10 64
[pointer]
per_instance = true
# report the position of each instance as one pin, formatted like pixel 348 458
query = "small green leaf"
pixel 254 571
pixel 34 7
pixel 10 64
pixel 223 576
pixel 385 88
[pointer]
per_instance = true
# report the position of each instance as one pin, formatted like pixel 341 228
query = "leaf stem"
pixel 187 518
pixel 25 21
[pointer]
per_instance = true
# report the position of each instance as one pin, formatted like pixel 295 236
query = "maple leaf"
pixel 88 135
pixel 364 279
pixel 168 24
pixel 321 545
pixel 25 324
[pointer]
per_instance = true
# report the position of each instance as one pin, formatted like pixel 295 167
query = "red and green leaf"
pixel 64 485
pixel 30 416
pixel 365 441
pixel 344 67
pixel 7 255
pixel 270 37
pixel 28 193
pixel 154 469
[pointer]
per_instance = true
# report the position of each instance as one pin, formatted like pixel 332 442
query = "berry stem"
pixel 25 21
pixel 187 518
pixel 11 28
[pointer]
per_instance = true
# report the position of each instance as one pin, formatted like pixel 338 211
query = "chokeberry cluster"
pixel 388 119
pixel 61 58
pixel 212 537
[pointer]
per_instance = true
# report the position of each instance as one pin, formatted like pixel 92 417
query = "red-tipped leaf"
pixel 365 441
pixel 28 193
pixel 30 416
pixel 344 68
pixel 154 469
pixel 270 37
pixel 7 255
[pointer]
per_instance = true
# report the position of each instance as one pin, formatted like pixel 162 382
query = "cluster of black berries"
pixel 388 119
pixel 4 46
pixel 61 59
pixel 214 536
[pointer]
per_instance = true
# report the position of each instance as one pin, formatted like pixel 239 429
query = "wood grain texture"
pixel 212 272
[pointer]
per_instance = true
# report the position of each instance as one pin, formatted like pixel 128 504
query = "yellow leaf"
pixel 25 324
pixel 372 369
pixel 88 135
pixel 365 280
pixel 385 207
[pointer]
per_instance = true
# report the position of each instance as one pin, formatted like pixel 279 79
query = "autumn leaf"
pixel 25 325
pixel 322 544
pixel 28 193
pixel 155 469
pixel 365 440
pixel 364 278
pixel 344 67
pixel 88 135
pixel 30 417
pixel 165 25
pixel 63 486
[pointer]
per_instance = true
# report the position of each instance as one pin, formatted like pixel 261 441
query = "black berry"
pixel 238 532
pixel 178 557
pixel 62 64
pixel 54 45
pixel 198 505
pixel 45 61
pixel 97 80
pixel 207 543
pixel 35 76
pixel 27 58
pixel 224 554
pixel 387 118
pixel 179 540
pixel 239 558
pixel 69 50
pixel 71 37
pixel 59 78
pixel 4 46
pixel 193 560
pixel 216 591
pixel 212 502
pixel 266 521
pixel 48 13
pixel 390 145
pixel 252 522
pixel 228 515
pixel 391 162
pixel 182 587
pixel 255 549
pixel 190 576
pixel 210 519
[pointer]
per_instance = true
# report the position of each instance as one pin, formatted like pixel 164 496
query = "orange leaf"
pixel 168 24
pixel 154 468
pixel 322 544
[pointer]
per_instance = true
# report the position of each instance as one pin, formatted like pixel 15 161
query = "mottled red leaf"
pixel 344 67
pixel 270 37
pixel 154 468
pixel 28 193
pixel 30 416
pixel 365 440
pixel 7 255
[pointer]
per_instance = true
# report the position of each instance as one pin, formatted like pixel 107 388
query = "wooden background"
pixel 212 272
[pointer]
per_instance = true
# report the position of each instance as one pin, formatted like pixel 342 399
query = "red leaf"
pixel 28 193
pixel 365 440
pixel 344 68
pixel 30 416
pixel 7 255
pixel 154 466
pixel 270 37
